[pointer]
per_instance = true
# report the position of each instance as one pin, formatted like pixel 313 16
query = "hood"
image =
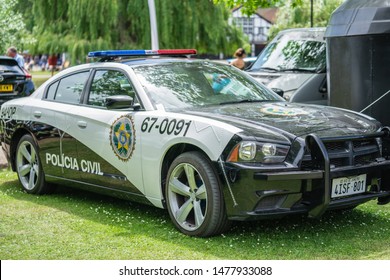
pixel 281 120
pixel 285 81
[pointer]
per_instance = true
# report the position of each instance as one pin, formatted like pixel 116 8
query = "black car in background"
pixel 14 81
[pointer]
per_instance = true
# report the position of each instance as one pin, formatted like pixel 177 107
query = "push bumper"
pixel 262 195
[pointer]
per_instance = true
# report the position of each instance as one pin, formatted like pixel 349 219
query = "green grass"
pixel 39 81
pixel 40 73
pixel 39 77
pixel 72 224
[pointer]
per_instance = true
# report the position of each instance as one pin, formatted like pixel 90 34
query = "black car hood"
pixel 281 120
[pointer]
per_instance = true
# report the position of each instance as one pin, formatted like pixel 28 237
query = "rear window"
pixel 10 65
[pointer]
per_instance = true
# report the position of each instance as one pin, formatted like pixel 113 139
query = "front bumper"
pixel 251 193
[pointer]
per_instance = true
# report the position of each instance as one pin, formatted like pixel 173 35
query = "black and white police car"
pixel 202 139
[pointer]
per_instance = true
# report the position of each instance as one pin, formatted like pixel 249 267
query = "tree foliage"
pixel 292 13
pixel 80 26
pixel 249 7
pixel 300 16
pixel 12 27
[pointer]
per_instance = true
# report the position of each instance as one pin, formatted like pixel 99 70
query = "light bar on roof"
pixel 119 53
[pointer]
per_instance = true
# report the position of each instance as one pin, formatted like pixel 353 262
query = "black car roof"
pixel 9 60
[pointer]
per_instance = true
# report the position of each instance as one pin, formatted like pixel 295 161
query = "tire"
pixel 194 198
pixel 29 167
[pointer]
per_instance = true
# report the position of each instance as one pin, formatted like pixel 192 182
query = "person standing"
pixel 52 61
pixel 13 52
pixel 239 61
pixel 43 62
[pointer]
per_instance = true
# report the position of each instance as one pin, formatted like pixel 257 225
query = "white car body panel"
pixel 148 146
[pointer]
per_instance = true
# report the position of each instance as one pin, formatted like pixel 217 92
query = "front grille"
pixel 364 143
pixel 337 162
pixel 346 153
pixel 335 146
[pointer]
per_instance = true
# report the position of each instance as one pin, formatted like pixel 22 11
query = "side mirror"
pixel 121 102
pixel 278 91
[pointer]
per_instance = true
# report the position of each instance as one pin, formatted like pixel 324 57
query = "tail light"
pixel 28 75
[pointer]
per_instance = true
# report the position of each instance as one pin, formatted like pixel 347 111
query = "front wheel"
pixel 28 166
pixel 194 197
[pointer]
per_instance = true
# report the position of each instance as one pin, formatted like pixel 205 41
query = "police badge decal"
pixel 122 137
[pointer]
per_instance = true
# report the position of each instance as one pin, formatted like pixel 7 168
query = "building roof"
pixel 269 14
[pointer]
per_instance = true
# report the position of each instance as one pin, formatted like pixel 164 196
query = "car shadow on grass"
pixel 354 234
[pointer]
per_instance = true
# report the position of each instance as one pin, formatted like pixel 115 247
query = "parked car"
pixel 200 138
pixel 295 62
pixel 14 81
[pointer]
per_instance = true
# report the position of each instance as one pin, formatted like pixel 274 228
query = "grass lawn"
pixel 40 73
pixel 73 224
pixel 39 77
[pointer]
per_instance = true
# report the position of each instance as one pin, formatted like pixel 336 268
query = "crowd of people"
pixel 43 62
pixel 54 62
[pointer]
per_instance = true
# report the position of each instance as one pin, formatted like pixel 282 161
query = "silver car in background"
pixel 295 62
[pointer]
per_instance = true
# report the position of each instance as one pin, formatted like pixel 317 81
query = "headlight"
pixel 247 150
pixel 250 151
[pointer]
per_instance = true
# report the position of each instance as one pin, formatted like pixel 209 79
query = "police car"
pixel 202 139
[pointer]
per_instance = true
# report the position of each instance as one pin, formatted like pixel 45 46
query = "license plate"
pixel 345 186
pixel 6 88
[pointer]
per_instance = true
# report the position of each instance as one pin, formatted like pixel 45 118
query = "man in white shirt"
pixel 13 52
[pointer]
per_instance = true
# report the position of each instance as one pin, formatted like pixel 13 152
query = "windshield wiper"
pixel 269 69
pixel 246 101
pixel 297 70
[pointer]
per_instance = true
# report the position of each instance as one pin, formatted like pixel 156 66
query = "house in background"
pixel 256 26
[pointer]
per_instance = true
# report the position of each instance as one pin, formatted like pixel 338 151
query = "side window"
pixel 68 89
pixel 51 92
pixel 109 83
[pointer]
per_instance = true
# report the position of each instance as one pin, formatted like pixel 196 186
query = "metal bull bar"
pixel 320 155
pixel 386 152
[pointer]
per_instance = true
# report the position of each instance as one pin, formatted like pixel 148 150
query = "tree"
pixel 12 27
pixel 289 17
pixel 250 6
pixel 292 13
pixel 80 26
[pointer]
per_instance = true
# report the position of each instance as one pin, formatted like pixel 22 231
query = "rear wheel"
pixel 194 197
pixel 28 166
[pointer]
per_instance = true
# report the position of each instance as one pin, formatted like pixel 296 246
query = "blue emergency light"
pixel 120 53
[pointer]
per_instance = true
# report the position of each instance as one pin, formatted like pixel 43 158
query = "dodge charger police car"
pixel 202 139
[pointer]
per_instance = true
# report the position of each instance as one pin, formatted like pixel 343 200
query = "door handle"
pixel 37 114
pixel 82 124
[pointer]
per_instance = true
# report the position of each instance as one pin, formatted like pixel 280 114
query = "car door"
pixel 53 117
pixel 106 138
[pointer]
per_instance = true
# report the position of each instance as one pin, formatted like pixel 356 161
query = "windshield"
pixel 294 51
pixel 177 85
